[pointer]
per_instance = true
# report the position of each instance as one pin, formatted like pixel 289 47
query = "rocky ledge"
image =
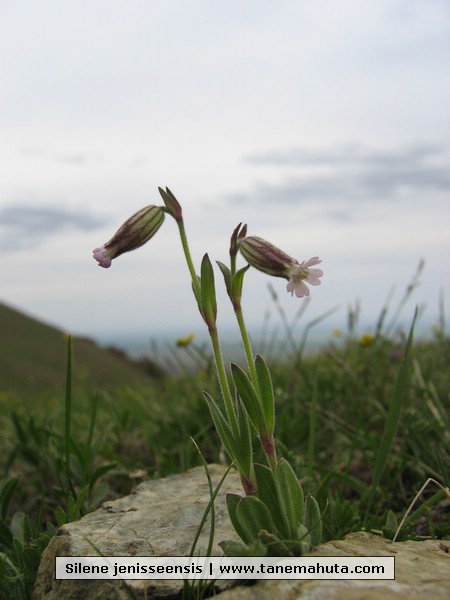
pixel 161 517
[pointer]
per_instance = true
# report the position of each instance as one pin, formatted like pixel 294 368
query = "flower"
pixel 103 257
pixel 366 340
pixel 266 257
pixel 301 274
pixel 184 342
pixel 135 232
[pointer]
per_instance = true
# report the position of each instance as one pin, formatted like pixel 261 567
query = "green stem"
pixel 247 346
pixel 215 342
pixel 267 442
pixel 223 381
pixel 232 265
pixel 187 254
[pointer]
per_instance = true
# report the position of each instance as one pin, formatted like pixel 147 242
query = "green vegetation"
pixel 34 354
pixel 364 422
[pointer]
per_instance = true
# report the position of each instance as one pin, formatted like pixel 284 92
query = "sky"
pixel 322 125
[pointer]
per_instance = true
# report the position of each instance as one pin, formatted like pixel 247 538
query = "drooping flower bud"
pixel 266 257
pixel 135 232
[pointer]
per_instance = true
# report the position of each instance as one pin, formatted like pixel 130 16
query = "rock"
pixel 161 518
pixel 422 570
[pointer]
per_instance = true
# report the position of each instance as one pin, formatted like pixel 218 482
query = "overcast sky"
pixel 323 125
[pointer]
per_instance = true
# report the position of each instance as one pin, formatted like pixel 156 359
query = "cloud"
pixel 22 224
pixel 350 154
pixel 352 173
pixel 75 159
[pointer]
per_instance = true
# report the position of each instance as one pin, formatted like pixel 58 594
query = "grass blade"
pixel 392 418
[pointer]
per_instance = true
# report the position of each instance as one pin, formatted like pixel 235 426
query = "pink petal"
pixel 102 258
pixel 313 276
pixel 313 280
pixel 301 289
pixel 315 260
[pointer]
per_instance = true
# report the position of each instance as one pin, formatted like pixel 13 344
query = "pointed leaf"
pixel 236 285
pixel 226 276
pixel 208 292
pixel 267 493
pixel 238 449
pixel 197 296
pixel 222 427
pixel 313 520
pixel 60 516
pixel 232 501
pixel 391 521
pixel 304 540
pixel 249 398
pixel 254 516
pixel 290 496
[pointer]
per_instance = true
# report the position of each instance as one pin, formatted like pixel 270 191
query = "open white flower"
pixel 266 257
pixel 301 275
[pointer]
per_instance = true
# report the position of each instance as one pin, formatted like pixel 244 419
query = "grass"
pixel 365 422
pixel 34 358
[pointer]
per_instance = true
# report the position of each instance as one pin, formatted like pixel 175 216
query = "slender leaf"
pixel 304 540
pixel 267 493
pixel 223 428
pixel 208 292
pixel 226 276
pixel 290 497
pixel 239 449
pixel 313 520
pixel 236 285
pixel 248 396
pixel 197 293
pixel 232 504
pixel 254 517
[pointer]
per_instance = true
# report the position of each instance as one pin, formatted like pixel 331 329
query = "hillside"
pixel 33 358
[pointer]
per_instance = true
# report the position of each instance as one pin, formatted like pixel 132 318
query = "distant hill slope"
pixel 33 358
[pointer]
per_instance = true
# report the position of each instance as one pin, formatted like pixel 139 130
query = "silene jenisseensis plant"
pixel 272 517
